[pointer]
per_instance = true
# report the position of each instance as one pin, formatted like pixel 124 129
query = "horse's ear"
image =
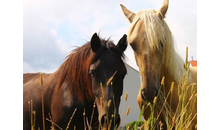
pixel 122 43
pixel 163 10
pixel 95 42
pixel 129 15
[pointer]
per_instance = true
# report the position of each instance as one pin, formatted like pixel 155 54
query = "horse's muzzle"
pixel 149 94
pixel 111 120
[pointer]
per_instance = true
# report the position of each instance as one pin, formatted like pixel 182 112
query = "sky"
pixel 53 28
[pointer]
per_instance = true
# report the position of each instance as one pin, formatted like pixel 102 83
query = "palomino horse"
pixel 91 74
pixel 153 46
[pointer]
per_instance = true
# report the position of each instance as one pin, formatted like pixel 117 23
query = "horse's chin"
pixel 112 124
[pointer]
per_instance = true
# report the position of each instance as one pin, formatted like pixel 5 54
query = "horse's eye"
pixel 132 46
pixel 92 72
pixel 161 44
pixel 96 95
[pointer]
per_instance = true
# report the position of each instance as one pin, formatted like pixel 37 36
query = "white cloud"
pixel 182 20
pixel 46 41
pixel 27 68
pixel 54 32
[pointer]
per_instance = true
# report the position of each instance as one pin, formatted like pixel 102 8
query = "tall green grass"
pixel 180 119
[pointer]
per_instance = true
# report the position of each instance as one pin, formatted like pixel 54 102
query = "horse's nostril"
pixel 115 121
pixel 148 95
pixel 103 119
pixel 156 92
pixel 143 95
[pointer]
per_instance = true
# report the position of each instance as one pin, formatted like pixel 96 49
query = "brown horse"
pixel 153 46
pixel 91 74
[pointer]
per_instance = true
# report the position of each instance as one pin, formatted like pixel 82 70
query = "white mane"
pixel 158 32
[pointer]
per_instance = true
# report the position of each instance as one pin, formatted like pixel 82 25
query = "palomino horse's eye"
pixel 161 44
pixel 132 46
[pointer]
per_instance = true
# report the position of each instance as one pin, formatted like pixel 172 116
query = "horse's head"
pixel 107 72
pixel 147 39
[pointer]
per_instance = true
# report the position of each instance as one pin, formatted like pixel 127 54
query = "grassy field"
pixel 180 119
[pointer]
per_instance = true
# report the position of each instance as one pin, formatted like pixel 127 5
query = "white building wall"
pixel 131 85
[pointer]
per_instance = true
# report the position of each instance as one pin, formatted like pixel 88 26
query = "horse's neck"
pixel 193 75
pixel 169 77
pixel 50 82
pixel 167 85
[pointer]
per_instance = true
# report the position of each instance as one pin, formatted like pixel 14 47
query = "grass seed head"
pixel 103 93
pixel 171 88
pixel 128 110
pixel 126 96
pixel 110 79
pixel 109 103
pixel 41 79
pixel 155 100
pixel 162 81
pixel 101 101
pixel 173 119
pixel 94 105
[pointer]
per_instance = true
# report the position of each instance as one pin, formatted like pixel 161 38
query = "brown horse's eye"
pixel 92 72
pixel 96 95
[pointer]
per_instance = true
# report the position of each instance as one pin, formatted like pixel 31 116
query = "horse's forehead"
pixel 108 56
pixel 147 25
pixel 110 61
pixel 144 16
pixel 135 29
pixel 112 58
pixel 136 35
pixel 137 24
